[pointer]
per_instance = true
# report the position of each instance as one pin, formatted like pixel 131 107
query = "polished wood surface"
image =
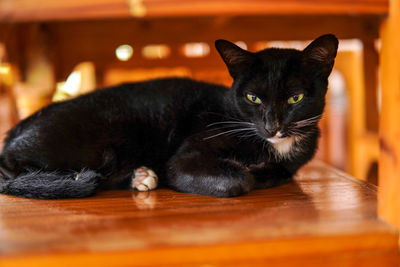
pixel 323 217
pixel 389 165
pixel 44 10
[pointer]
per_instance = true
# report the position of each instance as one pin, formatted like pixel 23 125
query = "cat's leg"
pixel 144 179
pixel 194 172
pixel 270 175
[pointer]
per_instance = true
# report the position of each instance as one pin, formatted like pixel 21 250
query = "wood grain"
pixel 44 10
pixel 324 217
pixel 389 165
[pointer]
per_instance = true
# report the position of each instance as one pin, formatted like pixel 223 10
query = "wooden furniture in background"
pixel 323 218
pixel 389 171
pixel 8 105
pixel 363 144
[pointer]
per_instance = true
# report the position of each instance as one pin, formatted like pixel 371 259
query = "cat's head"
pixel 280 91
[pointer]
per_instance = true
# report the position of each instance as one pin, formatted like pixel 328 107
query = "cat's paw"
pixel 144 179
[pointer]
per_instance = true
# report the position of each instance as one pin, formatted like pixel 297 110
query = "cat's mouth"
pixel 274 138
pixel 277 138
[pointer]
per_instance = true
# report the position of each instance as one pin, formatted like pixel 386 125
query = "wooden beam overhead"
pixel 45 10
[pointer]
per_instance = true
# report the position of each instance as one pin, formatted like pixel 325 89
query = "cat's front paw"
pixel 221 178
pixel 144 179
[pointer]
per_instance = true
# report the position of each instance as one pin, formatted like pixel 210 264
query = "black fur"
pixel 186 131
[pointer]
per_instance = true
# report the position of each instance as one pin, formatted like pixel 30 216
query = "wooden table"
pixel 324 218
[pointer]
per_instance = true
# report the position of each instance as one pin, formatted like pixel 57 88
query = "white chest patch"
pixel 282 145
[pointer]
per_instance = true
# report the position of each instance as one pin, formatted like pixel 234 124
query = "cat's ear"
pixel 323 49
pixel 235 58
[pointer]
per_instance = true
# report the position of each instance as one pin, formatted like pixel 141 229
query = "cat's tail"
pixel 50 185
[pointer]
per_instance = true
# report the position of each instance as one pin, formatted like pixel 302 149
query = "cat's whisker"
pixel 222 128
pixel 253 135
pixel 310 119
pixel 297 131
pixel 227 126
pixel 240 130
pixel 299 127
pixel 307 122
pixel 230 123
pixel 250 134
pixel 300 133
pixel 230 132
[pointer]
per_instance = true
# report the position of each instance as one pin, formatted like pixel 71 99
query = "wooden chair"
pixel 363 145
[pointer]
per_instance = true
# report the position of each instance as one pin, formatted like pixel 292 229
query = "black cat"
pixel 198 137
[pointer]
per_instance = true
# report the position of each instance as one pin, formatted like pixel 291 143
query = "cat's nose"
pixel 271 125
pixel 271 130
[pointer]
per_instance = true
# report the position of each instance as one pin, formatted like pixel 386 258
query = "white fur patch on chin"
pixel 282 145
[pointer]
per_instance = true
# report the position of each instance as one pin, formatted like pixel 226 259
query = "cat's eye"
pixel 253 98
pixel 295 98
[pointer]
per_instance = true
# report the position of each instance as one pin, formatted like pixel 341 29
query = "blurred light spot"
pixel 69 88
pixel 124 52
pixel 6 74
pixel 60 94
pixel 4 69
pixel 378 44
pixel 196 49
pixel 157 51
pixel 241 44
pixel 137 8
